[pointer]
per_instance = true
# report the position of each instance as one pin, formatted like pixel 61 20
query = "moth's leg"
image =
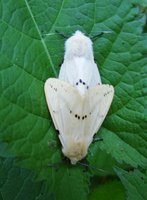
pixel 97 139
pixel 88 166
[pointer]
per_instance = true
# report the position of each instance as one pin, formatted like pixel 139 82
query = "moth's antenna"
pixel 48 34
pixel 62 34
pixel 99 34
pixel 57 33
pixel 89 166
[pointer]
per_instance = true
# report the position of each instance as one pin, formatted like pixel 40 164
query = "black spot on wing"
pixel 54 88
pixel 108 92
pixel 78 116
pixel 82 117
pixel 83 83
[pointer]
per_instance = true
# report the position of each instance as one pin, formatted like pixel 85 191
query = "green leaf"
pixel 108 191
pixel 28 56
pixel 121 150
pixel 18 183
pixel 70 183
pixel 135 183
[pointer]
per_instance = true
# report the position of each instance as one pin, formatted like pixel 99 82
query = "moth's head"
pixel 78 45
pixel 75 151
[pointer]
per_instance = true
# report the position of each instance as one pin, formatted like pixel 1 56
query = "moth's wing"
pixel 77 117
pixel 68 71
pixel 80 72
pixel 51 98
pixel 70 109
pixel 61 97
pixel 62 72
pixel 96 76
pixel 98 99
pixel 82 116
pixel 87 71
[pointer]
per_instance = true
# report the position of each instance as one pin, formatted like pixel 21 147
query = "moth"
pixel 77 101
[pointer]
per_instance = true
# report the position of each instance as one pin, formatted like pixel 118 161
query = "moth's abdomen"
pixel 75 150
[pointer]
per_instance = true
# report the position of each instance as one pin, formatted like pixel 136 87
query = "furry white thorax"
pixel 78 45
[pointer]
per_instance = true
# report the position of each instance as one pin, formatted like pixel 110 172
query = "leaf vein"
pixel 41 38
pixel 29 112
pixel 57 15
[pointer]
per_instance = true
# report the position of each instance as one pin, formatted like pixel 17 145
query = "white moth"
pixel 78 103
